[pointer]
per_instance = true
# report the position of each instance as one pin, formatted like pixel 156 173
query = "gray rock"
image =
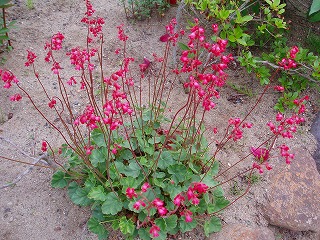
pixel 293 195
pixel 242 232
pixel 315 130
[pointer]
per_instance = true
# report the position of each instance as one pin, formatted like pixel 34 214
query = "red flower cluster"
pixel 30 58
pixel 237 133
pixel 154 231
pixel 8 78
pixel 94 24
pixel 56 41
pixel 285 128
pixel 44 146
pixel 121 35
pixel 16 97
pixel 130 192
pixel 52 103
pixel 288 63
pixel 89 118
pixel 171 35
pixel 79 57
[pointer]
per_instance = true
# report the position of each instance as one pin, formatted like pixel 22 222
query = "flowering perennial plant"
pixel 147 175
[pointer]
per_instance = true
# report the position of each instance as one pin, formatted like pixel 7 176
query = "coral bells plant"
pixel 145 174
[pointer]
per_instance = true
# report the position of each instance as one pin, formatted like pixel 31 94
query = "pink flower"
pixel 262 154
pixel 71 81
pixel 55 68
pixel 145 65
pixel 215 28
pixel 157 202
pixel 44 146
pixel 200 187
pixel 145 187
pixel 114 151
pixel 293 52
pixel 56 41
pixel 154 231
pixel 139 203
pixel 121 35
pixel 178 200
pixel 16 97
pixel 195 201
pixel 30 58
pixel 130 192
pixel 162 211
pixel 88 149
pixel 187 213
pixel 279 88
pixel 52 103
pixel 164 38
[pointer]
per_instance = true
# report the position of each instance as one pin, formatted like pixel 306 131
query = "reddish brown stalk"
pixel 23 162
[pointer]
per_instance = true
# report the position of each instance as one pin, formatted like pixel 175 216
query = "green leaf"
pixel 3 2
pixel 171 222
pixel 97 137
pixel 3 30
pixel 133 170
pixel 183 46
pixel 178 172
pixel 173 190
pixel 161 223
pixel 78 195
pixel 165 159
pixel 213 225
pixel 186 226
pixel 144 234
pixel 96 227
pixel 130 182
pixel 314 17
pixel 97 193
pixel 220 203
pixel 126 226
pixel 112 204
pixel 98 156
pixel 58 180
pixel 315 7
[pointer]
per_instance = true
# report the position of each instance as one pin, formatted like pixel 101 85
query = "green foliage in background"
pixel 142 9
pixel 259 25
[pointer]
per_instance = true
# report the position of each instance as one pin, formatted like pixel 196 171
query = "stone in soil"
pixel 242 232
pixel 293 195
pixel 315 130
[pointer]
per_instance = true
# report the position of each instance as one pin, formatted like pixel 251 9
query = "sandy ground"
pixel 31 209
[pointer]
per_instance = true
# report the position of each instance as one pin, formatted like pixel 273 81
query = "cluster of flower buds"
pixel 237 132
pixel 284 127
pixel 288 63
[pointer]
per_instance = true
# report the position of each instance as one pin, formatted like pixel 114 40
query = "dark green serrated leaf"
pixel 112 204
pixel 171 222
pixel 178 172
pixel 98 156
pixel 133 170
pixel 78 195
pixel 165 160
pixel 213 225
pixel 144 234
pixel 97 137
pixel 187 226
pixel 58 180
pixel 126 226
pixel 96 227
pixel 97 193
